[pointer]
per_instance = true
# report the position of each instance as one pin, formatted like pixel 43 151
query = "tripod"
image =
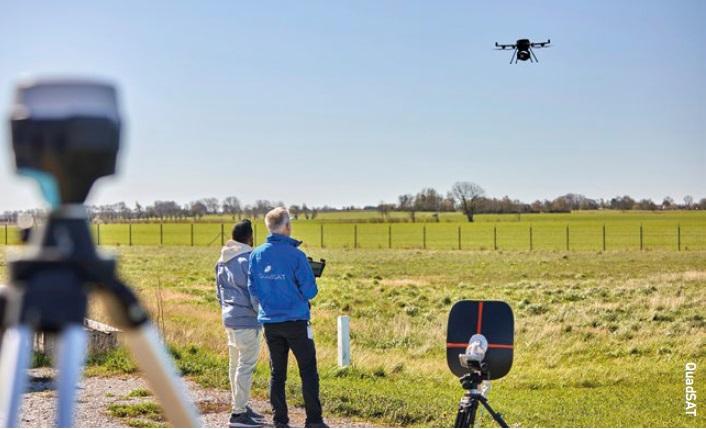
pixel 49 287
pixel 467 408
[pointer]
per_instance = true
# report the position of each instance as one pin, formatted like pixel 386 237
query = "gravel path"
pixel 96 394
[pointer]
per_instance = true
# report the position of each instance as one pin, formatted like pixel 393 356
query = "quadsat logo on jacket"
pixel 273 276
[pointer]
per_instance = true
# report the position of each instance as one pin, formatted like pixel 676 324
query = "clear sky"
pixel 354 102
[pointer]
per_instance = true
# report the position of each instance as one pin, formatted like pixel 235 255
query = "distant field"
pixel 601 337
pixel 671 230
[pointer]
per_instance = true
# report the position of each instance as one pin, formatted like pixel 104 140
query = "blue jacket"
pixel 238 308
pixel 281 279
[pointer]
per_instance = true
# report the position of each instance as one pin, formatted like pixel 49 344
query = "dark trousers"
pixel 281 337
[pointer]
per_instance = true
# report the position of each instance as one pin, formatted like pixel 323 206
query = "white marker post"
pixel 344 342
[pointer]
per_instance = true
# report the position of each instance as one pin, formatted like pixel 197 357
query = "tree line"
pixel 466 197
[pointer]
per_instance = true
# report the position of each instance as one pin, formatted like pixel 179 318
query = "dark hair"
pixel 242 231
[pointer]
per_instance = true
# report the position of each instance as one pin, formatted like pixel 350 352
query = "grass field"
pixel 601 337
pixel 671 230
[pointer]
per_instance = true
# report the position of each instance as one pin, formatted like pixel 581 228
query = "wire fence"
pixel 440 236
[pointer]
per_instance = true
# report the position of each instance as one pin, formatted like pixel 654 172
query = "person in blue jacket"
pixel 282 281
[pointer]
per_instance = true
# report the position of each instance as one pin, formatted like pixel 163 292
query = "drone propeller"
pixel 502 47
pixel 546 44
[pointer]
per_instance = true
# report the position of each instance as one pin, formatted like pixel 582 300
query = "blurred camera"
pixel 66 135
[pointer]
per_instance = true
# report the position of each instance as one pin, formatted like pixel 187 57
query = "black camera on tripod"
pixel 479 348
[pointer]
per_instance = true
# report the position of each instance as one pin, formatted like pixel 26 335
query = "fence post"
pixel 459 237
pixel 161 234
pixel 604 237
pixel 678 237
pixel 322 235
pixel 98 233
pixel 355 236
pixel 223 234
pixel 192 234
pixel 344 342
pixel 567 238
pixel 641 239
pixel 530 238
pixel 495 237
pixel 424 236
pixel 389 236
pixel 129 234
pixel 6 234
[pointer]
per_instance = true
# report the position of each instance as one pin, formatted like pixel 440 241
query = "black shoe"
pixel 281 425
pixel 320 424
pixel 243 420
pixel 254 414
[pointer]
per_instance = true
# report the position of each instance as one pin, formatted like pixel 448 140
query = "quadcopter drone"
pixel 523 48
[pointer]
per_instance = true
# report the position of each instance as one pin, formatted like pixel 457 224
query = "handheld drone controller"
pixel 317 266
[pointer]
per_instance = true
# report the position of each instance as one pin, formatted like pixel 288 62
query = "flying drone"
pixel 523 49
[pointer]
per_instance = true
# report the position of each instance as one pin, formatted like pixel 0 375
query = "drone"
pixel 523 48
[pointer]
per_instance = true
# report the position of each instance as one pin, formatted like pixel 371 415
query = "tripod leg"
pixel 70 356
pixel 496 416
pixel 471 418
pixel 460 417
pixel 14 360
pixel 161 375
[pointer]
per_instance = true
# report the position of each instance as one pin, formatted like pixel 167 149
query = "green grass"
pixel 668 230
pixel 139 393
pixel 601 337
pixel 139 414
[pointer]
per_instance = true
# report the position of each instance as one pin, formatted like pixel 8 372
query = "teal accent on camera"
pixel 47 184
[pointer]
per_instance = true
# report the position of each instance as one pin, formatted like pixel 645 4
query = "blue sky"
pixel 356 102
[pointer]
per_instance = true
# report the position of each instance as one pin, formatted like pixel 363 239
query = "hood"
pixel 232 249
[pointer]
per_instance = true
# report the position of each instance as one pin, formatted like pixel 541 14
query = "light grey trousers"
pixel 243 350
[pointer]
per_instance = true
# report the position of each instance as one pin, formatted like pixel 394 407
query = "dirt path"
pixel 97 394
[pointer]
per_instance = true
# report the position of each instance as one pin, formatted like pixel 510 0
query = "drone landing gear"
pixel 533 55
pixel 514 56
pixel 468 407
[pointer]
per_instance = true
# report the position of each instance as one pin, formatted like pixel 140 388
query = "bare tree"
pixel 688 201
pixel 211 204
pixel 294 210
pixel 406 204
pixel 166 209
pixel 384 209
pixel 467 195
pixel 667 203
pixel 428 200
pixel 198 209
pixel 231 206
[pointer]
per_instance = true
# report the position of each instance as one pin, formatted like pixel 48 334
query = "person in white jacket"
pixel 239 314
